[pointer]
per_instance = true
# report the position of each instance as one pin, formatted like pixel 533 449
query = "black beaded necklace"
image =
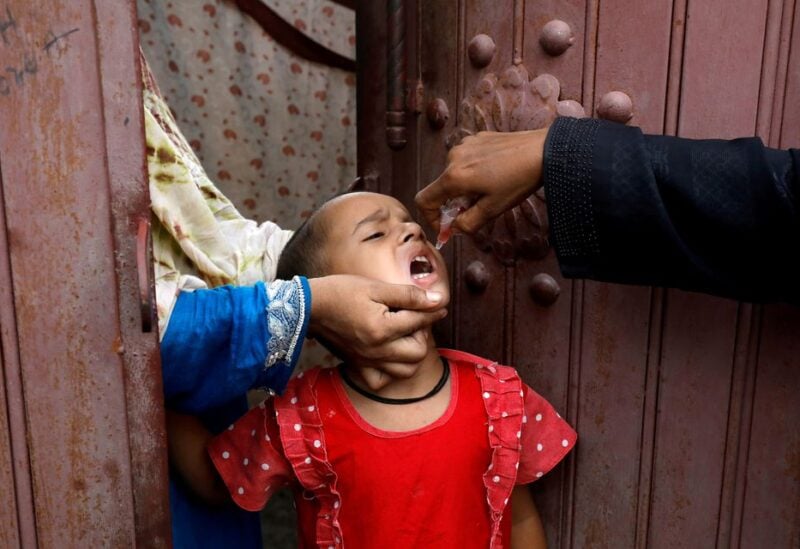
pixel 385 400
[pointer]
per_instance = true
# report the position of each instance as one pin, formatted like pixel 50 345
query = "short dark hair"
pixel 303 255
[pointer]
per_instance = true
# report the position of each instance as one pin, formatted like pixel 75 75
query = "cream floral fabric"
pixel 200 240
pixel 275 132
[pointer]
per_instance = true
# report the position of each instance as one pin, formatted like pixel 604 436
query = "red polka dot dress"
pixel 447 484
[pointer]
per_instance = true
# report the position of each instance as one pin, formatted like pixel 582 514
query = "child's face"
pixel 373 235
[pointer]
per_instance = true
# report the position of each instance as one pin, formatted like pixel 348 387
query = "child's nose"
pixel 412 231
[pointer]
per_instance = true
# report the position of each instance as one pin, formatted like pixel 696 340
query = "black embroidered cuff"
pixel 567 176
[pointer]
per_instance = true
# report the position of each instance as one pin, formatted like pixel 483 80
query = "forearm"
pixel 187 439
pixel 527 531
pixel 222 342
pixel 712 216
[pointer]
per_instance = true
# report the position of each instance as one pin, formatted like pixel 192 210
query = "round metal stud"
pixel 437 113
pixel 481 50
pixel 544 289
pixel 556 37
pixel 570 107
pixel 477 277
pixel 616 106
pixel 533 247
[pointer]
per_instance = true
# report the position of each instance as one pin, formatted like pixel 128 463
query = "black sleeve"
pixel 715 216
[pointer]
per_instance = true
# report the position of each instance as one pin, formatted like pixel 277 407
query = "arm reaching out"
pixel 716 216
pixel 186 442
pixel 527 531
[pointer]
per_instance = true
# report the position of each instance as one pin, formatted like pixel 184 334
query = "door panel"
pixel 81 369
pixel 617 351
pixel 16 486
pixel 770 456
pixel 693 392
pixel 481 322
pixel 722 68
pixel 439 44
pixel 684 403
pixel 610 397
pixel 568 65
pixel 788 126
pixel 634 61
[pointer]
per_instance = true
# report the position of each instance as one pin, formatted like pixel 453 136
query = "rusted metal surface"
pixel 9 526
pixel 696 472
pixel 684 403
pixel 633 59
pixel 472 332
pixel 371 93
pixel 770 494
pixel 439 52
pixel 740 416
pixel 16 499
pixel 396 76
pixel 620 326
pixel 726 37
pixel 72 147
pixel 118 41
pixel 144 268
pixel 787 132
pixel 693 401
pixel 547 340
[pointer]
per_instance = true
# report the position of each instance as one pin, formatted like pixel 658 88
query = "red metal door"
pixel 685 404
pixel 82 453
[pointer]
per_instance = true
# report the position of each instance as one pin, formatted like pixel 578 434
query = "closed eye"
pixel 373 236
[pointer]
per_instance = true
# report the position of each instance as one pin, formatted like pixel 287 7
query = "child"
pixel 436 458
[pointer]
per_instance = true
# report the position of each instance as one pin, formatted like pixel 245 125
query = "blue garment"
pixel 218 344
pixel 196 525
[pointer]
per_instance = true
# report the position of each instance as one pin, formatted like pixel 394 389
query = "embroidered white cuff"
pixel 285 314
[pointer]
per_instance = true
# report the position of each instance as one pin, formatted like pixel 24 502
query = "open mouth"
pixel 421 267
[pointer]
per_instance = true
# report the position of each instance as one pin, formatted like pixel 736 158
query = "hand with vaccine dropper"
pixel 450 211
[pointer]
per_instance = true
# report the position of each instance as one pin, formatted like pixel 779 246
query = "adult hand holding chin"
pixel 374 320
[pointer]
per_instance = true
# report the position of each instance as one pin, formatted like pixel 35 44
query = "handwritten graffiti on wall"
pixel 27 63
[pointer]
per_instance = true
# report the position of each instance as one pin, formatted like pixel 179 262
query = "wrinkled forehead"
pixel 344 212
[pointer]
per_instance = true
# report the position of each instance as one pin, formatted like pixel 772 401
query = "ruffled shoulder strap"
pixel 503 398
pixel 303 439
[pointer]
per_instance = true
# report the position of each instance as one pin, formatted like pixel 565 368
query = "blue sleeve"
pixel 219 343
